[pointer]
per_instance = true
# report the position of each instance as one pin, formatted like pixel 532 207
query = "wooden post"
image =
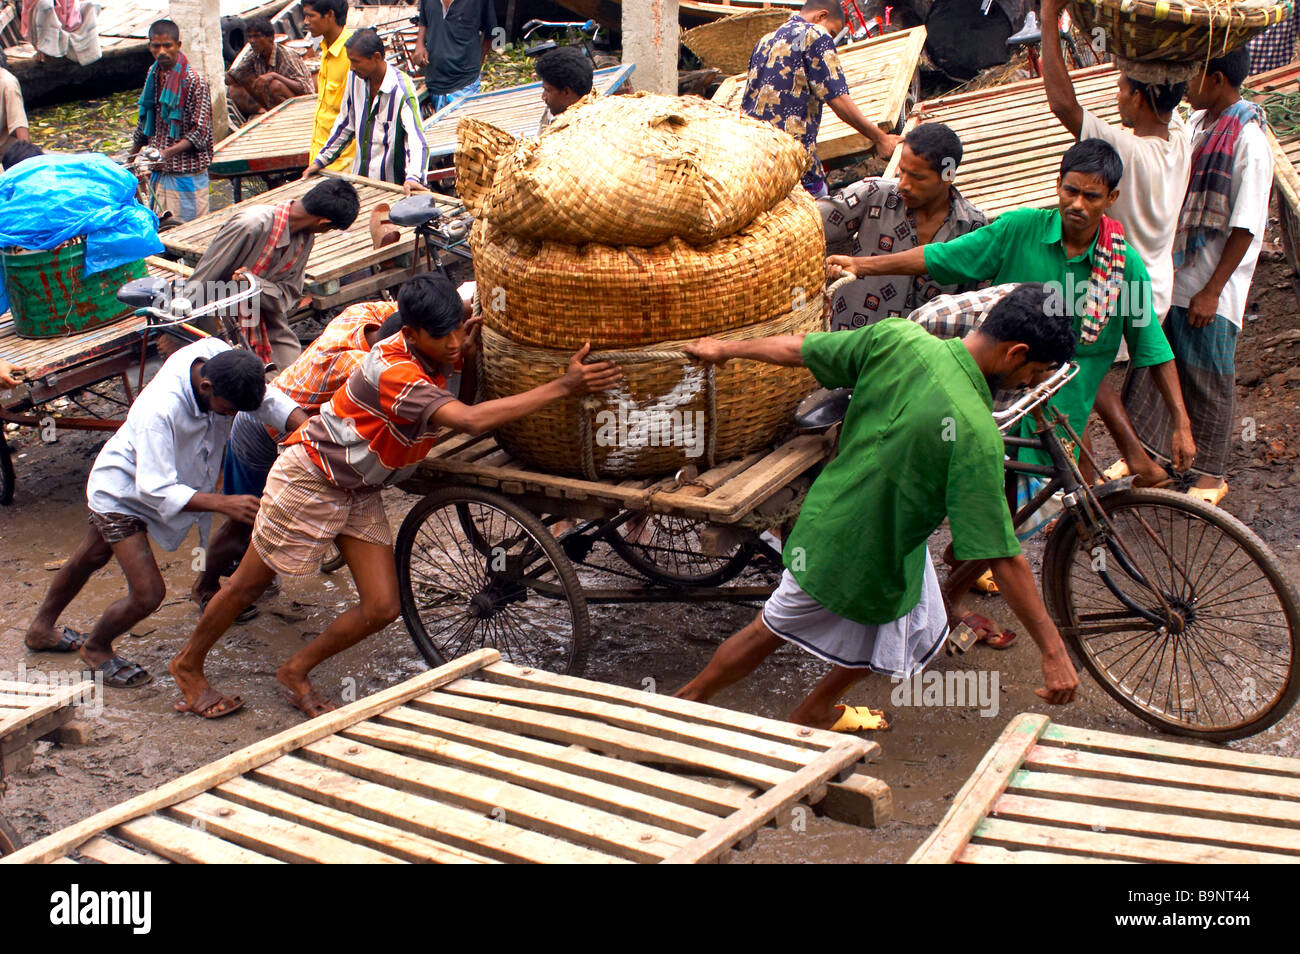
pixel 650 42
pixel 200 23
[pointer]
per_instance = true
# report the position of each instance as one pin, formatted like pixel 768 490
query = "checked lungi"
pixel 185 197
pixel 1275 47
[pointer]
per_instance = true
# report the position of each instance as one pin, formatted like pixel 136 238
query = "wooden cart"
pixel 513 765
pixel 1286 152
pixel 487 556
pixel 62 367
pixel 1049 793
pixel 274 145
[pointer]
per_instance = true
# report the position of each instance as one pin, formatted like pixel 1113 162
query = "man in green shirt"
pixel 1064 248
pixel 918 444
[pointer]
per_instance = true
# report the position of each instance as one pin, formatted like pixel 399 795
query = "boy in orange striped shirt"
pixel 325 487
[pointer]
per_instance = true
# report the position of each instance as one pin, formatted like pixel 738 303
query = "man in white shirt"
pixel 1220 230
pixel 1154 145
pixel 154 478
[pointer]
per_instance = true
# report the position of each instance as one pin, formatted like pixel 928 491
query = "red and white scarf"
pixel 1104 282
pixel 252 324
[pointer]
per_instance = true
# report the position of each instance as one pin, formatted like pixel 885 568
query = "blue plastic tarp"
pixel 47 200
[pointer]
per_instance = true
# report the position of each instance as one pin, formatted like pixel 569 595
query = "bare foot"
pixel 192 683
pixel 41 637
pixel 299 693
pixel 1150 476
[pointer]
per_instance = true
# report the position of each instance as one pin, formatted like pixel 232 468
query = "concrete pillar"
pixel 200 23
pixel 650 41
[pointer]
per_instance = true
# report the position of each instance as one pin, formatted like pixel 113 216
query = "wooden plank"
pixel 641 719
pixel 507 673
pixel 994 855
pixel 684 791
pixel 741 495
pixel 109 852
pixel 238 763
pixel 1163 749
pixel 595 735
pixel 183 844
pixel 385 838
pixel 985 784
pixel 1115 846
pixel 1186 829
pixel 724 835
pixel 601 830
pixel 424 816
pixel 608 797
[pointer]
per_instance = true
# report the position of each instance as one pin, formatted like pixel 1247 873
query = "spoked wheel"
pixel 476 570
pixel 1218 662
pixel 9 840
pixel 667 550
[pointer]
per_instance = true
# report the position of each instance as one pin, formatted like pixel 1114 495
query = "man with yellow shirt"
pixel 325 19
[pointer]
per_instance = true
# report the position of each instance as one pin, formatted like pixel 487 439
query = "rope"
pixel 766 521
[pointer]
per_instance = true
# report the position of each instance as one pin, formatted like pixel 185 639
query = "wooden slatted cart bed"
pixel 481 761
pixel 275 143
pixel 1051 793
pixel 31 711
pixel 1285 144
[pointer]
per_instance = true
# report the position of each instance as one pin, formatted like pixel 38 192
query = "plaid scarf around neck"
pixel 1105 279
pixel 1208 203
pixel 255 330
pixel 170 100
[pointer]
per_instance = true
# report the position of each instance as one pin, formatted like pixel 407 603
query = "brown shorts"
pixel 301 514
pixel 116 527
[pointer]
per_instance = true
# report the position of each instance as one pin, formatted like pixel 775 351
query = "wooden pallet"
pixel 879 72
pixel 1052 793
pixel 335 254
pixel 1012 143
pixel 1286 153
pixel 42 357
pixel 278 140
pixel 30 711
pixel 517 110
pixel 514 765
pixel 724 494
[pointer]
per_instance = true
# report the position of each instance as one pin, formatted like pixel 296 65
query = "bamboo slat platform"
pixel 879 72
pixel 517 110
pixel 335 254
pixel 30 711
pixel 278 140
pixel 725 494
pixel 43 357
pixel 514 765
pixel 1012 143
pixel 1051 793
pixel 1286 153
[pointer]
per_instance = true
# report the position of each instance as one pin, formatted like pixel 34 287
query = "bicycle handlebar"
pixel 159 318
pixel 1034 397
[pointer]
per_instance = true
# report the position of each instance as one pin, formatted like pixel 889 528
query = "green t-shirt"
pixel 1024 245
pixel 918 443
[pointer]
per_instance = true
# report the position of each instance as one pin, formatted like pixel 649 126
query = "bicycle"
pixel 143 165
pixel 1179 610
pixel 580 34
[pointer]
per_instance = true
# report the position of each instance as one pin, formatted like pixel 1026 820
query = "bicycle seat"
pixel 415 210
pixel 143 292
pixel 827 410
pixel 1029 33
pixel 537 49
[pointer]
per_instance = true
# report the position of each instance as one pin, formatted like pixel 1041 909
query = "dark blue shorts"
pixel 238 478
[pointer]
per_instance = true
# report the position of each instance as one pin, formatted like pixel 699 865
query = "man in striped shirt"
pixel 326 486
pixel 381 112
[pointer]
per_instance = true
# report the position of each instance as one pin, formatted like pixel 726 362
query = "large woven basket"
pixel 695 415
pixel 728 43
pixel 635 170
pixel 1170 31
pixel 559 296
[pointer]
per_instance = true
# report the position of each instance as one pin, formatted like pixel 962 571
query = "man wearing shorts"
pixel 918 444
pixel 325 487
pixel 155 478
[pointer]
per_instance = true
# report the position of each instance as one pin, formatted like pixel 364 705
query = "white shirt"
pixel 1252 181
pixel 168 450
pixel 1150 195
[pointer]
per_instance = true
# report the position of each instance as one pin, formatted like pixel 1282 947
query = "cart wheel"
pixel 6 472
pixel 332 561
pixel 667 550
pixel 475 569
pixel 9 840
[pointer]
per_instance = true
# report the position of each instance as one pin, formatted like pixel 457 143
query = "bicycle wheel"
pixel 475 569
pixel 9 840
pixel 1220 664
pixel 667 550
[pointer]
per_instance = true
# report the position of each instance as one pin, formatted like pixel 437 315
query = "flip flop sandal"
pixel 859 719
pixel 207 702
pixel 1115 471
pixel 69 642
pixel 987 632
pixel 249 612
pixel 1212 495
pixel 120 673
pixel 310 704
pixel 985 584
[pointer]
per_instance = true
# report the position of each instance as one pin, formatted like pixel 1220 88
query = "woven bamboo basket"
pixel 727 44
pixel 667 412
pixel 559 296
pixel 1170 31
pixel 635 170
pixel 479 146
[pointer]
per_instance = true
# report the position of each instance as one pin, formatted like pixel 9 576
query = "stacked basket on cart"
pixel 638 224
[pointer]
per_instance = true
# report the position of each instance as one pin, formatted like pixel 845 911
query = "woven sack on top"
pixel 1176 31
pixel 479 146
pixel 559 296
pixel 641 169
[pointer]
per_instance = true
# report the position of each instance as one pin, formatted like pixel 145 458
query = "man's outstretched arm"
pixel 911 262
pixel 1015 582
pixel 785 350
pixel 1056 77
